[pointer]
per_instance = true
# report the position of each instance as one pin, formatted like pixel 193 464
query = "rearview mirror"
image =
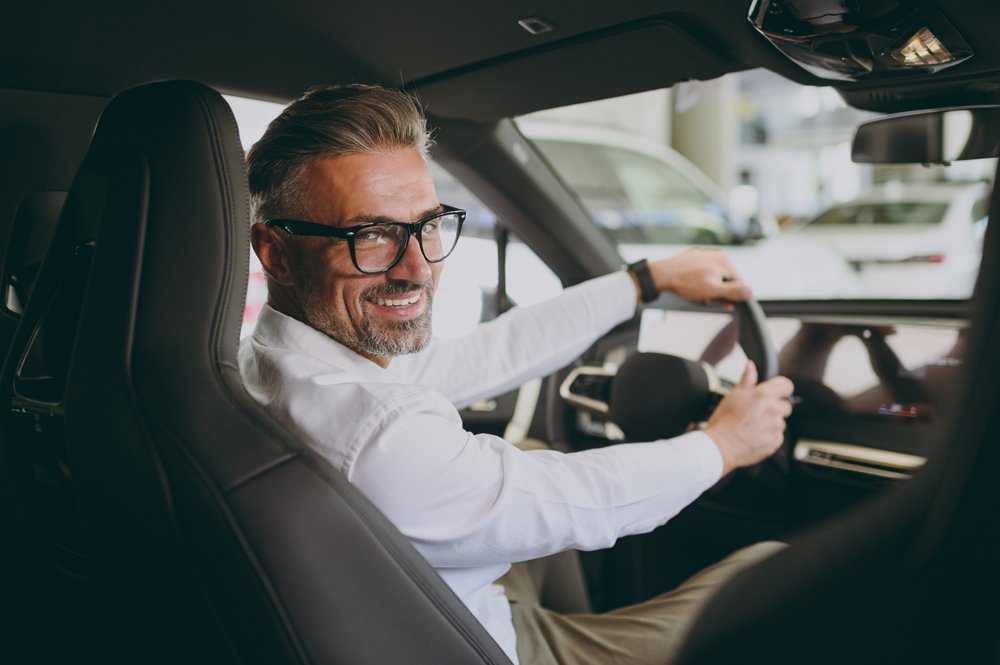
pixel 929 137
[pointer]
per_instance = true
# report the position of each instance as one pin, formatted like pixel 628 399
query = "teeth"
pixel 397 303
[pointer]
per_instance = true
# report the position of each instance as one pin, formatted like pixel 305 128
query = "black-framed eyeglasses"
pixel 377 247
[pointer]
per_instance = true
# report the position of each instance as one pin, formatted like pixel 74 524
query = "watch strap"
pixel 647 287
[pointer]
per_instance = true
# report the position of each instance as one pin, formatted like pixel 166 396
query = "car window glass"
pixel 760 166
pixel 467 291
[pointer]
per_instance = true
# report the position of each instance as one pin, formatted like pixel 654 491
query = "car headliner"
pixel 468 60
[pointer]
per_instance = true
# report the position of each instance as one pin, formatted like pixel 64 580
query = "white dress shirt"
pixel 472 504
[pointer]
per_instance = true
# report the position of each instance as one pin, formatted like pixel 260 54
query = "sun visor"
pixel 641 57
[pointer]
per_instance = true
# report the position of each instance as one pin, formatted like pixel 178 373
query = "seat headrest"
pixel 195 250
pixel 166 179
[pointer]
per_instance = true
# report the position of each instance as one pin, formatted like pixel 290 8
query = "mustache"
pixel 399 287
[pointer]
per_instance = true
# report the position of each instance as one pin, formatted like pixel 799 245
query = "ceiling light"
pixel 923 48
pixel 855 40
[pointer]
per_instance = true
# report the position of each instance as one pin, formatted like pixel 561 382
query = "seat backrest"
pixel 214 525
pixel 44 564
pixel 34 341
pixel 45 136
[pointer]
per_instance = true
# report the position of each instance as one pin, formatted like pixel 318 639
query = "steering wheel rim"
pixel 755 339
pixel 694 388
pixel 685 391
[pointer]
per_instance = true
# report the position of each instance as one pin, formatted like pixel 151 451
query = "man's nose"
pixel 413 267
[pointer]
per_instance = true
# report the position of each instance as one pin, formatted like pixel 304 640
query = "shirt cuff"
pixel 618 293
pixel 705 449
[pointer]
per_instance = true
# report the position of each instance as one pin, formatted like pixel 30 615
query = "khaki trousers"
pixel 644 634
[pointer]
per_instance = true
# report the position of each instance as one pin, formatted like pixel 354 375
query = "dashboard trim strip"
pixel 858 459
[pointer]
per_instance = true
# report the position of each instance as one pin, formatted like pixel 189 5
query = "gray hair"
pixel 332 120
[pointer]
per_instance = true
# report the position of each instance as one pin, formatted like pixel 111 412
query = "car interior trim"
pixel 582 401
pixel 858 459
pixel 871 321
pixel 524 410
pixel 610 50
pixel 896 311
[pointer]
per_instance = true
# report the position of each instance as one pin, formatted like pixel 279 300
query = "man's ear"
pixel 273 254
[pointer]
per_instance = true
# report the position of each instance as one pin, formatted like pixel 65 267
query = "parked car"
pixel 919 239
pixel 638 190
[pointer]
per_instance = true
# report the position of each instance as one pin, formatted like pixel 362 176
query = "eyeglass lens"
pixel 377 247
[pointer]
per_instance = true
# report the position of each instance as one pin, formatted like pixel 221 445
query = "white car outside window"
pixel 923 240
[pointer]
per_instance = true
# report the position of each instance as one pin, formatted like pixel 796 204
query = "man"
pixel 352 237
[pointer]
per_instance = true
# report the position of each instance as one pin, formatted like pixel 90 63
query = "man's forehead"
pixel 393 184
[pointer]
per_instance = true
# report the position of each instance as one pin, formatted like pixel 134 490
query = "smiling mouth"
pixel 396 302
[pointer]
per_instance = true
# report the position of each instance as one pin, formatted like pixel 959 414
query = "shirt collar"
pixel 281 331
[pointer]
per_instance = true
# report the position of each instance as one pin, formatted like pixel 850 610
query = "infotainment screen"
pixel 898 371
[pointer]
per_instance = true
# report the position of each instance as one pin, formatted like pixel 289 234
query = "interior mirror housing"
pixel 929 137
pixel 853 41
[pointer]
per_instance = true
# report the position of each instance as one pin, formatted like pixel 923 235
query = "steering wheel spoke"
pixel 657 396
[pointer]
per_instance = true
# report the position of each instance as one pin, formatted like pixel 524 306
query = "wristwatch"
pixel 647 287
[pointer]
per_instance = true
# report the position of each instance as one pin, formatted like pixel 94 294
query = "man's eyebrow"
pixel 370 219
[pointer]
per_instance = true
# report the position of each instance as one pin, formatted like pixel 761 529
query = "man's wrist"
pixel 720 441
pixel 645 285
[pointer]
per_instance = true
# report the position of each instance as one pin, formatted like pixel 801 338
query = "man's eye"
pixel 431 227
pixel 369 235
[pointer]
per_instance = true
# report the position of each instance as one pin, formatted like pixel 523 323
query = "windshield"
pixel 760 167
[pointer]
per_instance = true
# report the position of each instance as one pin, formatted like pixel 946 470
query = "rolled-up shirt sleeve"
pixel 474 500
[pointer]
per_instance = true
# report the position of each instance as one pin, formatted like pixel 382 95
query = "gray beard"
pixel 374 339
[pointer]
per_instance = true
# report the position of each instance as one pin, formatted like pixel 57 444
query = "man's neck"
pixel 291 309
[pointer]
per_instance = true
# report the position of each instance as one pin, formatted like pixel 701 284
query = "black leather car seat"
pixel 45 136
pixel 44 567
pixel 224 537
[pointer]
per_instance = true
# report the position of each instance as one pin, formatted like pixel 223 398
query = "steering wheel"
pixel 656 396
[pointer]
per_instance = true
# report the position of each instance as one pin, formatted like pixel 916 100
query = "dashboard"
pixel 871 389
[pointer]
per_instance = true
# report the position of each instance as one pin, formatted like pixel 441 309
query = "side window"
pixel 467 292
pixel 468 285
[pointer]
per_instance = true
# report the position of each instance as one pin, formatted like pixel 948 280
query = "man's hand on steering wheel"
pixel 748 425
pixel 702 275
